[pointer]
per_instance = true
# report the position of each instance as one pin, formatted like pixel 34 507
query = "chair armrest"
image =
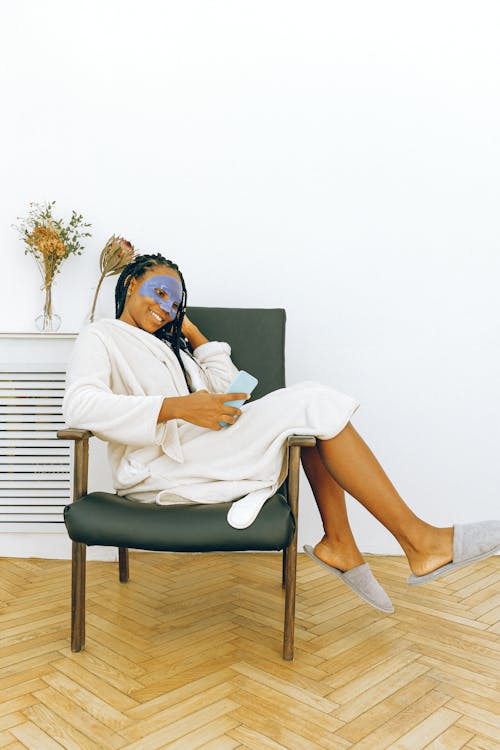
pixel 303 441
pixel 81 458
pixel 70 433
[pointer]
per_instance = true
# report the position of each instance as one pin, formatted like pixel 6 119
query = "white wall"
pixel 338 159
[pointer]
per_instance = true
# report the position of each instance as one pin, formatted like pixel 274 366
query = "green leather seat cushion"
pixel 110 520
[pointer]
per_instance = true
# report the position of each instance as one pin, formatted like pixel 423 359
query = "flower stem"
pixel 95 297
pixel 47 310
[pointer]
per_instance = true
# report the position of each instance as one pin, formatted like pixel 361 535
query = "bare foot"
pixel 342 557
pixel 435 549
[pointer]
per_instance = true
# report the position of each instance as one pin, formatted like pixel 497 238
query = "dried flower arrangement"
pixel 50 241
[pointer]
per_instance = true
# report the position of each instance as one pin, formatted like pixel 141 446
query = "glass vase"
pixel 48 321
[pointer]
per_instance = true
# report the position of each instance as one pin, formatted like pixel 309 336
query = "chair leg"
pixel 123 563
pixel 291 556
pixel 283 569
pixel 290 589
pixel 78 560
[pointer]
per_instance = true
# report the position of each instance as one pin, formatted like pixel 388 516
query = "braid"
pixel 171 331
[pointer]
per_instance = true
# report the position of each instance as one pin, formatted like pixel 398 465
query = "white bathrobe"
pixel 117 378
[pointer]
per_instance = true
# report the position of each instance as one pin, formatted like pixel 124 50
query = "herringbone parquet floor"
pixel 188 655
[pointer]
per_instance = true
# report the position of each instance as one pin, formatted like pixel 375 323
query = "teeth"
pixel 157 317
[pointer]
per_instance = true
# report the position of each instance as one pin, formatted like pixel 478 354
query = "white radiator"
pixel 35 467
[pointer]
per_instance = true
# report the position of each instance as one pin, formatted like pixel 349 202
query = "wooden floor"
pixel 188 655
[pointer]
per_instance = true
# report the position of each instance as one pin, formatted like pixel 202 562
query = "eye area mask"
pixel 166 291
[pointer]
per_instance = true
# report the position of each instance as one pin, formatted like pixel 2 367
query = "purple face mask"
pixel 166 292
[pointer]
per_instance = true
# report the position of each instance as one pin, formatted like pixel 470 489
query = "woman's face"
pixel 153 299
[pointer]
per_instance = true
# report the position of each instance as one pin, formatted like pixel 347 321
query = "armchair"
pixel 257 338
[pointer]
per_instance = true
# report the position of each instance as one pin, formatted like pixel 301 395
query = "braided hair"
pixel 171 332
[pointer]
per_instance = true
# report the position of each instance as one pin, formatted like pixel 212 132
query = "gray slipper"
pixel 471 542
pixel 360 580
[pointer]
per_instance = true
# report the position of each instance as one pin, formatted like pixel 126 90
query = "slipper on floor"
pixel 360 580
pixel 471 542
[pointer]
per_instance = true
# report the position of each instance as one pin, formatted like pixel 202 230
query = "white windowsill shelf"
pixel 37 335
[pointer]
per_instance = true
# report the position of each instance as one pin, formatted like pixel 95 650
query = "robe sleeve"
pixel 215 360
pixel 89 402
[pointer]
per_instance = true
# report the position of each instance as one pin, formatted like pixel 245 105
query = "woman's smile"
pixel 159 318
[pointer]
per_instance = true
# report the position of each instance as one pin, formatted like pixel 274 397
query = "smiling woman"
pixel 153 386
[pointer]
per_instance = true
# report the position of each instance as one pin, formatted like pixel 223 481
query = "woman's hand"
pixel 192 333
pixel 202 408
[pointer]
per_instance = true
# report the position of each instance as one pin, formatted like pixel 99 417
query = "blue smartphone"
pixel 242 383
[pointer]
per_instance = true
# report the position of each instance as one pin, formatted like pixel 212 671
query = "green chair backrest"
pixel 256 337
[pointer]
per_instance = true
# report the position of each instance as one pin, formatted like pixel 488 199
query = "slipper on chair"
pixel 471 542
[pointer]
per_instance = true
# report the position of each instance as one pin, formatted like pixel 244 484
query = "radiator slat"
pixel 29 518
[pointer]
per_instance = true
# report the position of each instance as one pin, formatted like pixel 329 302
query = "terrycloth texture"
pixel 471 542
pixel 360 580
pixel 117 378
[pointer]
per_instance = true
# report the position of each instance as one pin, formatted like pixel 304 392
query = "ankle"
pixel 334 541
pixel 427 548
pixel 418 538
pixel 340 553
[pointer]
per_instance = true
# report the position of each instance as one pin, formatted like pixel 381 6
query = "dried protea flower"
pixel 116 254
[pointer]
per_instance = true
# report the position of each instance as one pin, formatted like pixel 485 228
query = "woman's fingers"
pixel 231 418
pixel 234 396
pixel 232 411
pixel 224 406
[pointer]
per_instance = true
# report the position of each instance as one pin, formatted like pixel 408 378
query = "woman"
pixel 153 386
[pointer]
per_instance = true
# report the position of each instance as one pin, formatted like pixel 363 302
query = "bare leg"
pixel 338 547
pixel 353 466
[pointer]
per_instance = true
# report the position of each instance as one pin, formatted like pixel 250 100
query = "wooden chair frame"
pixel 78 566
